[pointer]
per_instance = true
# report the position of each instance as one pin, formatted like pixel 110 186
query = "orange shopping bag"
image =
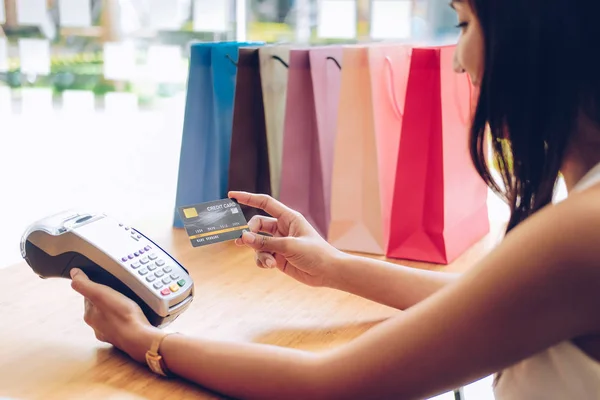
pixel 440 202
pixel 373 85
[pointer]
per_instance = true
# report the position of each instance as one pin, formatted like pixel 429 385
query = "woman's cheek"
pixel 459 59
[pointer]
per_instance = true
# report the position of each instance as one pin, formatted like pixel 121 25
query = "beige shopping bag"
pixel 274 61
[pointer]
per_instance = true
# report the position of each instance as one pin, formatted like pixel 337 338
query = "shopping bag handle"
pixel 391 87
pixel 227 56
pixel 280 60
pixel 335 61
pixel 287 65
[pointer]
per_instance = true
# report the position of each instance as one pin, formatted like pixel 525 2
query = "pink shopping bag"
pixel 325 67
pixel 301 178
pixel 389 66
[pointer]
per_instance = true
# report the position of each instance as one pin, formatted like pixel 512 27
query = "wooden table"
pixel 47 351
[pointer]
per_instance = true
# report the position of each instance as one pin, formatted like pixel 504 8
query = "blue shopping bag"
pixel 205 143
pixel 224 63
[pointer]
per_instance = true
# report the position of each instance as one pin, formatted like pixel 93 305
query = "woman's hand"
pixel 115 318
pixel 294 246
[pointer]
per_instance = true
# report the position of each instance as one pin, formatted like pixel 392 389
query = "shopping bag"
pixel 389 66
pixel 224 63
pixel 325 67
pixel 249 158
pixel 440 202
pixel 205 142
pixel 356 223
pixel 301 171
pixel 274 60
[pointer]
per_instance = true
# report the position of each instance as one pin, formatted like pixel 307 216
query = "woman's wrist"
pixel 139 340
pixel 335 271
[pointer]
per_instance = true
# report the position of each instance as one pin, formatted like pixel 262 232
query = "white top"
pixel 562 372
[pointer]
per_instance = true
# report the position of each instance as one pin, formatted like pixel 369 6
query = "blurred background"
pixel 92 92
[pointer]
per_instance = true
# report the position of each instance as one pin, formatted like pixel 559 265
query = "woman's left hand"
pixel 115 318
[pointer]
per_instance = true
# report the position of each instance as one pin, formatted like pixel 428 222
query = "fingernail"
pixel 249 237
pixel 74 272
pixel 270 263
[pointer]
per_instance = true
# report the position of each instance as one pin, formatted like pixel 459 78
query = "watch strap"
pixel 155 361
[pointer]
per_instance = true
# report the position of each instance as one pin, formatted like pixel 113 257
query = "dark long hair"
pixel 541 73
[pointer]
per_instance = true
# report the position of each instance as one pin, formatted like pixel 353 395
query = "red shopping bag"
pixel 301 170
pixel 440 203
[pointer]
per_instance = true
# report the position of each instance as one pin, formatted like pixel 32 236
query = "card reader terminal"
pixel 110 253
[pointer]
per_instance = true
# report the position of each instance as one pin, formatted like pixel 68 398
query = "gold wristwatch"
pixel 155 360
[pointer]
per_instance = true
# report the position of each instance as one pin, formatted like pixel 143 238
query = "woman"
pixel 529 310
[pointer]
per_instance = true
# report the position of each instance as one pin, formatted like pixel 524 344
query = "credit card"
pixel 213 222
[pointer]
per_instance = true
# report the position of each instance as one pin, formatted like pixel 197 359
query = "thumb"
pixel 84 286
pixel 264 243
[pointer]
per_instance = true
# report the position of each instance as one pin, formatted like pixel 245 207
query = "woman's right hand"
pixel 294 247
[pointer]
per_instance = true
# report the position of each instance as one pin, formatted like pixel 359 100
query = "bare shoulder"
pixel 551 262
pixel 569 231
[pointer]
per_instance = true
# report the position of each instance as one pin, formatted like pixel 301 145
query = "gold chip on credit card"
pixel 190 212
